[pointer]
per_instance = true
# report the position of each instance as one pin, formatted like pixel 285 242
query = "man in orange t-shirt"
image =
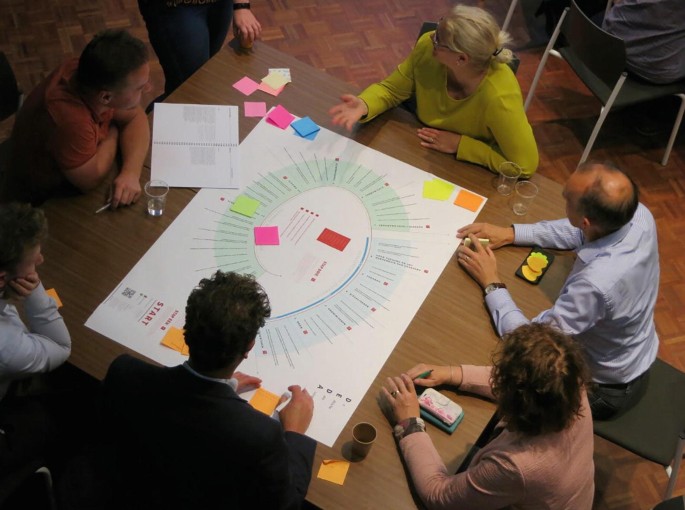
pixel 71 126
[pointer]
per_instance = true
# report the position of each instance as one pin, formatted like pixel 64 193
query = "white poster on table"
pixel 359 248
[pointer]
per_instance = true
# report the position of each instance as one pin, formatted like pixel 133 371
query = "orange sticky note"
pixel 53 294
pixel 264 401
pixel 468 200
pixel 174 339
pixel 333 470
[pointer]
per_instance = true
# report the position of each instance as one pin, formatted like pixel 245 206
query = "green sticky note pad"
pixel 245 205
pixel 437 189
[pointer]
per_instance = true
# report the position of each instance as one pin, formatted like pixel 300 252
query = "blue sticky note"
pixel 305 127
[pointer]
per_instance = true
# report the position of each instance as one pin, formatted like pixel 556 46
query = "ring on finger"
pixel 393 394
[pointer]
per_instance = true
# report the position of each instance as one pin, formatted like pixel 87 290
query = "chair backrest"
pixel 10 95
pixel 28 486
pixel 600 52
pixel 677 503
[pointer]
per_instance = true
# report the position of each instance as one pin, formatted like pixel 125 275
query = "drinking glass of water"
pixel 156 192
pixel 524 193
pixel 508 175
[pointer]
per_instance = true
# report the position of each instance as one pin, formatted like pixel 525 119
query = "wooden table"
pixel 87 255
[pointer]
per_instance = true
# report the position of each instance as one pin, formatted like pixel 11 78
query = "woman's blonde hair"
pixel 475 32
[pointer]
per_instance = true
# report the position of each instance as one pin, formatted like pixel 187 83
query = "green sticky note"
pixel 437 189
pixel 245 205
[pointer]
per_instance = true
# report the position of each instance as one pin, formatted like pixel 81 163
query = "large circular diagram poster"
pixel 346 241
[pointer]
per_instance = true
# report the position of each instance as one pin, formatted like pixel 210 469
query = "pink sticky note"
pixel 266 236
pixel 280 117
pixel 266 88
pixel 246 85
pixel 255 109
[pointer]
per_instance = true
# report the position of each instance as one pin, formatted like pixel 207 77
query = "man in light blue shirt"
pixel 607 302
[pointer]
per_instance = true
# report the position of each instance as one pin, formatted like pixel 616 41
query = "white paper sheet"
pixel 196 146
pixel 359 251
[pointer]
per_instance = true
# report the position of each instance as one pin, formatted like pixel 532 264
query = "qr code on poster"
pixel 128 292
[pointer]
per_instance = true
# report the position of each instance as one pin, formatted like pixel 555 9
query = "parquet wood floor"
pixel 360 41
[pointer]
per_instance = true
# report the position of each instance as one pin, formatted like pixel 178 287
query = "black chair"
pixel 599 60
pixel 10 94
pixel 672 504
pixel 29 486
pixel 11 98
pixel 654 428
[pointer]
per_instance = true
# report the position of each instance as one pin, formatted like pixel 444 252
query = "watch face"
pixel 493 287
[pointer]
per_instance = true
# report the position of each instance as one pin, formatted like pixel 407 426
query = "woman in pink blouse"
pixel 540 453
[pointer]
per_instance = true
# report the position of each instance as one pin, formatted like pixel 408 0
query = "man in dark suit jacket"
pixel 182 436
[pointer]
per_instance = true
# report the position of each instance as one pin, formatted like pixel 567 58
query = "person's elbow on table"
pixel 528 163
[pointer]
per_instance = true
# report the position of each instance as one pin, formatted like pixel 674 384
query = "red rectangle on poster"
pixel 333 239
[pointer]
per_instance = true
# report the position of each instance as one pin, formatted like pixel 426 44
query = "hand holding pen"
pixel 435 375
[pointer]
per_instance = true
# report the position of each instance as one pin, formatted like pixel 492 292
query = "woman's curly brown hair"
pixel 538 378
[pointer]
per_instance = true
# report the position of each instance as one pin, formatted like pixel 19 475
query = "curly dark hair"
pixel 223 315
pixel 108 59
pixel 608 213
pixel 537 379
pixel 21 228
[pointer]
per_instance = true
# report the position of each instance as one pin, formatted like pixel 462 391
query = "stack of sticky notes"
pixel 280 117
pixel 175 339
pixel 535 265
pixel 334 470
pixel 245 205
pixel 468 200
pixel 264 401
pixel 273 83
pixel 306 128
pixel 53 294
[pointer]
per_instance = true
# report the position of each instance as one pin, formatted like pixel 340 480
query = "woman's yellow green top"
pixel 492 121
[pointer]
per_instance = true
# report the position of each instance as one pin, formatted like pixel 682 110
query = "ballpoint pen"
pixel 288 397
pixel 425 374
pixel 106 206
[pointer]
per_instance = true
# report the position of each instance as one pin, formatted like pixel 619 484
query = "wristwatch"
pixel 493 286
pixel 409 426
pixel 245 5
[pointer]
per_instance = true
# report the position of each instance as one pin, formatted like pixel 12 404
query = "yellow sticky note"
pixel 437 189
pixel 333 470
pixel 468 200
pixel 275 80
pixel 264 401
pixel 53 294
pixel 174 339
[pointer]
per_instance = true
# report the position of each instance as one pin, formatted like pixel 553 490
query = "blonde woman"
pixel 466 94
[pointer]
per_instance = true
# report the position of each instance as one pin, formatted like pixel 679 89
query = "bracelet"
pixel 245 5
pixel 408 426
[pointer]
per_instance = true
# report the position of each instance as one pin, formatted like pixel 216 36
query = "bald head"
pixel 604 195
